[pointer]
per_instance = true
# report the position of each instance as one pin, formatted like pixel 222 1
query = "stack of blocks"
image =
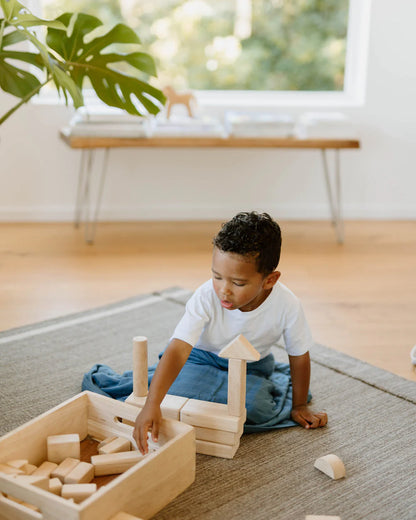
pixel 218 427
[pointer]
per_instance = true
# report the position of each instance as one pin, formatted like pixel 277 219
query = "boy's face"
pixel 237 283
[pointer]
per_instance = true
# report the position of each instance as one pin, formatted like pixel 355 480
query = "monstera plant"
pixel 70 54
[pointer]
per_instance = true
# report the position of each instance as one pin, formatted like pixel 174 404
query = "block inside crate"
pixel 142 490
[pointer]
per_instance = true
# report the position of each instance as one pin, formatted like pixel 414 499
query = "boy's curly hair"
pixel 252 234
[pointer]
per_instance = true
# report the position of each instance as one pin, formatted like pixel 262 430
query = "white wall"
pixel 38 172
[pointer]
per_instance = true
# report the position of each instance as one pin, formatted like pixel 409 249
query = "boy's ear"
pixel 271 279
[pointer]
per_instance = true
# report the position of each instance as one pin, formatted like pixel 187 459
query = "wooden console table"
pixel 89 144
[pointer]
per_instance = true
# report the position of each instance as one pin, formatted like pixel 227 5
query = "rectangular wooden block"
pixel 45 469
pixel 81 474
pixel 211 415
pixel 217 436
pixel 61 447
pixel 78 492
pixel 55 486
pixel 170 406
pixel 115 463
pixel 64 468
pixel 115 446
pixel 216 450
pixel 124 516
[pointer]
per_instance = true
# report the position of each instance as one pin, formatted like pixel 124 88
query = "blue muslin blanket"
pixel 205 377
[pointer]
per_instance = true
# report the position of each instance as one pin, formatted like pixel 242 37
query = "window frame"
pixel 353 94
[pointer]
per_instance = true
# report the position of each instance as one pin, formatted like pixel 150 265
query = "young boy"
pixel 243 297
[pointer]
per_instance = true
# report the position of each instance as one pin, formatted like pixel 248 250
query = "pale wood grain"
pixel 359 298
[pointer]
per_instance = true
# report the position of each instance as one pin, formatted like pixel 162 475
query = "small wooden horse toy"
pixel 178 98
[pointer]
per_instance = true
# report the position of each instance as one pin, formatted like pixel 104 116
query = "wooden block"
pixel 64 468
pixel 331 465
pixel 9 470
pixel 217 436
pixel 55 486
pixel 81 474
pixel 61 447
pixel 170 406
pixel 115 446
pixel 140 376
pixel 29 469
pixel 322 517
pixel 211 415
pixel 39 481
pixel 240 348
pixel 45 469
pixel 124 516
pixel 236 400
pixel 115 463
pixel 106 441
pixel 216 450
pixel 78 492
pixel 18 463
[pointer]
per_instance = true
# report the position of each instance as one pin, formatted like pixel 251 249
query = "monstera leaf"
pixel 82 58
pixel 70 55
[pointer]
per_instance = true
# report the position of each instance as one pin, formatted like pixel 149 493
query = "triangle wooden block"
pixel 240 348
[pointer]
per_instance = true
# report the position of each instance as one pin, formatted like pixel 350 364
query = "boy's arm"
pixel 300 370
pixel 167 370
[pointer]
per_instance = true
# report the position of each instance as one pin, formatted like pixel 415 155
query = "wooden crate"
pixel 142 490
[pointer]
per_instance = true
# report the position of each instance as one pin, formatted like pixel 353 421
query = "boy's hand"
pixel 307 418
pixel 149 419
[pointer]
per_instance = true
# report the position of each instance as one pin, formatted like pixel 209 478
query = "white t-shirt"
pixel 208 326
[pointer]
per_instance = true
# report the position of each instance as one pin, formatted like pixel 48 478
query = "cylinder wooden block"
pixel 140 366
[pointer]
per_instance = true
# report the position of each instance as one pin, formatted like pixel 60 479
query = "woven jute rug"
pixel 371 420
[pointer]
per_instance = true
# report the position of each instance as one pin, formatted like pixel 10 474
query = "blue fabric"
pixel 205 377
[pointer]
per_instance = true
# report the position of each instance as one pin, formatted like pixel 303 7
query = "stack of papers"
pixel 325 125
pixel 240 124
pixel 107 122
pixel 187 127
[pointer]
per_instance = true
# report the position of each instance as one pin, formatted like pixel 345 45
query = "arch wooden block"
pixel 331 465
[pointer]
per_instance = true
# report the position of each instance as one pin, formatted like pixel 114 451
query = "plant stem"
pixel 23 101
pixel 3 24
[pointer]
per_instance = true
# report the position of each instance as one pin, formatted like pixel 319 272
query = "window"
pixel 232 49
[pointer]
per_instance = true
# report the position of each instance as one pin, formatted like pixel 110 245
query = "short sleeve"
pixel 192 323
pixel 297 334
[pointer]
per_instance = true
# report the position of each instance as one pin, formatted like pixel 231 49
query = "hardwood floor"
pixel 360 298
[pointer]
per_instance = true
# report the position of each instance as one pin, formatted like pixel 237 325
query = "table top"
pixel 76 141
